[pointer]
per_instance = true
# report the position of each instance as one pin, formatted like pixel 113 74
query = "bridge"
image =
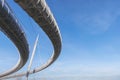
pixel 10 27
pixel 41 13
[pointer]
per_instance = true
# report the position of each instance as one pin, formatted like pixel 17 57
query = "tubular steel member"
pixel 11 28
pixel 40 12
pixel 32 56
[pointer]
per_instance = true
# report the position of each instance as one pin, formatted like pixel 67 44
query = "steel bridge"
pixel 41 13
pixel 11 28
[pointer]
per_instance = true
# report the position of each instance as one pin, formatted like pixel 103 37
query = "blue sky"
pixel 90 36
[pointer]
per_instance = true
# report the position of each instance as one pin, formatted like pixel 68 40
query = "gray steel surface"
pixel 11 28
pixel 40 12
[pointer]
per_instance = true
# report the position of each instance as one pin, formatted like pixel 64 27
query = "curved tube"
pixel 40 12
pixel 11 28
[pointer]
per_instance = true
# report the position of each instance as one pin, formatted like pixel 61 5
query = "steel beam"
pixel 10 26
pixel 40 12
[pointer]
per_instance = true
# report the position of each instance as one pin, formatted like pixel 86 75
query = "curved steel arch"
pixel 11 28
pixel 40 12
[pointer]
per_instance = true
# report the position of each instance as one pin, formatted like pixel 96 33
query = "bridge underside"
pixel 40 12
pixel 11 27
